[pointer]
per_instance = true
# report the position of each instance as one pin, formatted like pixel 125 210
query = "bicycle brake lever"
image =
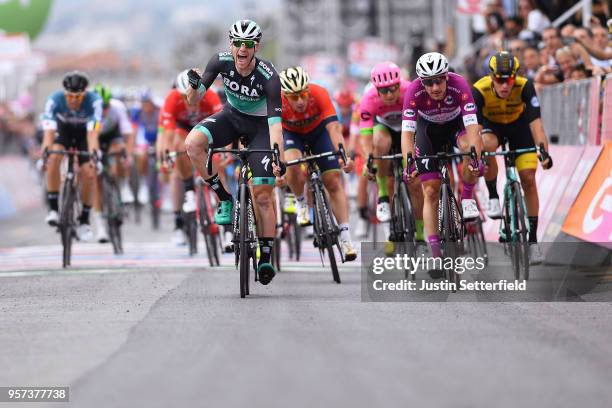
pixel 342 152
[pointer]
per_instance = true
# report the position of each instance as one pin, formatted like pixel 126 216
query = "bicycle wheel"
pixel 206 229
pixel 325 236
pixel 191 230
pixel 511 229
pixel 67 221
pixel 112 208
pixel 243 241
pixel 406 223
pixel 154 200
pixel 296 232
pixel 522 231
pixel 449 232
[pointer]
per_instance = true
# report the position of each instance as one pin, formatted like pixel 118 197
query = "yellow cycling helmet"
pixel 503 65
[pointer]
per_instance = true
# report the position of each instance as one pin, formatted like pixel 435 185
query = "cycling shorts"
pixel 73 137
pixel 518 135
pixel 396 135
pixel 319 142
pixel 228 125
pixel 432 138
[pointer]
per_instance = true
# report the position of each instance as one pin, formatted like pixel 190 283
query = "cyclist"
pixel 380 128
pixel 179 116
pixel 116 135
pixel 71 120
pixel 509 110
pixel 145 119
pixel 439 109
pixel 253 110
pixel 309 118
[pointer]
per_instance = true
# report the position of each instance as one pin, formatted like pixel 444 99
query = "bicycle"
pixel 450 218
pixel 326 230
pixel 244 221
pixel 514 228
pixel 69 203
pixel 190 220
pixel 111 202
pixel 208 228
pixel 403 225
pixel 474 232
pixel 291 232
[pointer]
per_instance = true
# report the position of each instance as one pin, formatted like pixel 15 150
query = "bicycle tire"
pixel 153 188
pixel 191 230
pixel 297 239
pixel 67 221
pixel 408 224
pixel 112 207
pixel 523 239
pixel 448 233
pixel 325 232
pixel 210 242
pixel 244 253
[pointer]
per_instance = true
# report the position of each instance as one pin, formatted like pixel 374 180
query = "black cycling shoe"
pixel 266 273
pixel 435 273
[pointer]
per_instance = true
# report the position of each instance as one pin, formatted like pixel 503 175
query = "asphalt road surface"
pixel 155 328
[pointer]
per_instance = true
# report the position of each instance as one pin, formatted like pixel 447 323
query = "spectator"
pixel 530 62
pixel 578 72
pixel 566 60
pixel 600 41
pixel 517 47
pixel 535 18
pixel 552 42
pixel 513 27
pixel 568 30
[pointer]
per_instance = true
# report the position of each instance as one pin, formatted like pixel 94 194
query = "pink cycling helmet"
pixel 385 74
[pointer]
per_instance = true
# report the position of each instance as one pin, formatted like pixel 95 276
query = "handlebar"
pixel 242 154
pixel 340 152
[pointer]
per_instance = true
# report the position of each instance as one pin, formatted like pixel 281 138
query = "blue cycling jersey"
pixel 147 123
pixel 57 115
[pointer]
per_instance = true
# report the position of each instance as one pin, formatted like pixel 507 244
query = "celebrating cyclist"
pixel 509 110
pixel 309 118
pixel 116 132
pixel 71 120
pixel 253 110
pixel 381 124
pixel 439 109
pixel 179 115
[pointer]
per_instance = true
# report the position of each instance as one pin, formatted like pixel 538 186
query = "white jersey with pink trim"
pixel 457 102
pixel 373 107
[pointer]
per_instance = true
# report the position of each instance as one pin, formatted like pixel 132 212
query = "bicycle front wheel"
pixel 243 241
pixel 326 233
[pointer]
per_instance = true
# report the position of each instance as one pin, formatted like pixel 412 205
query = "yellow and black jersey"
pixel 522 99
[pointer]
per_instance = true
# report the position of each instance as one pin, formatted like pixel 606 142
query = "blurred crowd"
pixel 18 129
pixel 548 55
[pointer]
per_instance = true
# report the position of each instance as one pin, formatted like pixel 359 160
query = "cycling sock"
pixel 300 199
pixel 381 182
pixel 52 200
pixel 434 244
pixel 345 234
pixel 363 213
pixel 215 183
pixel 84 218
pixel 265 249
pixel 466 193
pixel 178 220
pixel 533 229
pixel 189 184
pixel 420 233
pixel 492 187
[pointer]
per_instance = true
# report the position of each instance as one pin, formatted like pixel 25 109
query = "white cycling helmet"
pixel 293 79
pixel 245 30
pixel 182 82
pixel 431 64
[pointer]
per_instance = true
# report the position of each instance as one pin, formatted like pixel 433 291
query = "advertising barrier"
pixel 590 217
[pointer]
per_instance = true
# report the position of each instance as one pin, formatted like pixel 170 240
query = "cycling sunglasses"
pixel 433 81
pixel 74 95
pixel 388 89
pixel 297 95
pixel 506 80
pixel 247 43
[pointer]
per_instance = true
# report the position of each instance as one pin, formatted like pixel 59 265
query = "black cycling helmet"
pixel 75 81
pixel 503 65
